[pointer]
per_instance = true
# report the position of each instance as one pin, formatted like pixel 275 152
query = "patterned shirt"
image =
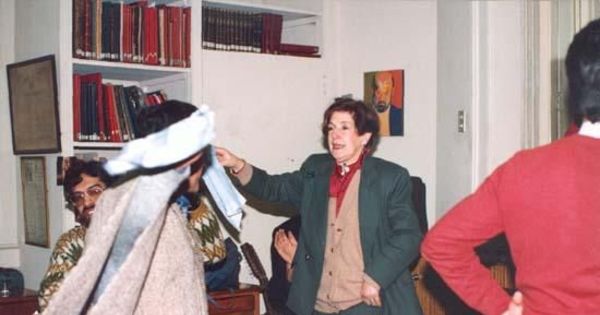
pixel 204 222
pixel 64 257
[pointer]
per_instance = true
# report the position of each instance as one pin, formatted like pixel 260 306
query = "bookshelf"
pixel 297 27
pixel 175 81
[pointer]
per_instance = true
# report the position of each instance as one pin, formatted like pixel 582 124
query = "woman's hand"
pixel 370 294
pixel 286 245
pixel 516 305
pixel 229 160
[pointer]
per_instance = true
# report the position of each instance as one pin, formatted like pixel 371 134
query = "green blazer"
pixel 389 230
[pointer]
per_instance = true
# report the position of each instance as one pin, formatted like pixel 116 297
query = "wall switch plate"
pixel 461 121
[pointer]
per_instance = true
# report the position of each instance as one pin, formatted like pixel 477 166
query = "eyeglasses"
pixel 78 198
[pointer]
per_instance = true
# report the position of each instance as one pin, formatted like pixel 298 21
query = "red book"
pixel 276 32
pixel 266 34
pixel 76 107
pixel 126 37
pixel 115 130
pixel 150 48
pixel 177 30
pixel 169 43
pixel 187 30
pixel 296 48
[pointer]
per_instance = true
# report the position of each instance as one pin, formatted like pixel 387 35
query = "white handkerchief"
pixel 227 198
pixel 173 144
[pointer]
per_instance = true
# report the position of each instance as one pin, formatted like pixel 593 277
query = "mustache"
pixel 89 208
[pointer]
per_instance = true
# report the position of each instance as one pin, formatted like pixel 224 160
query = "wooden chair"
pixel 437 299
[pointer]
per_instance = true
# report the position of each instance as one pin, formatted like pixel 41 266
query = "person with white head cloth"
pixel 139 257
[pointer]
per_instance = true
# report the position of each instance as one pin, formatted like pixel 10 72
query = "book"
pixel 78 28
pixel 76 107
pixel 94 111
pixel 150 44
pixel 285 48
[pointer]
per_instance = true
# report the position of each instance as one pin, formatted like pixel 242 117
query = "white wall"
pixel 505 82
pixel 454 90
pixel 37 25
pixel 9 240
pixel 384 34
pixel 268 111
pixel 480 69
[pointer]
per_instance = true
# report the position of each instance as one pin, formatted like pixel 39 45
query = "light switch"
pixel 461 121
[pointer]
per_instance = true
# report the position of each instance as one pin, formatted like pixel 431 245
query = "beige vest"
pixel 343 267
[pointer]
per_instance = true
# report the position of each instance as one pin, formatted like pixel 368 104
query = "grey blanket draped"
pixel 138 257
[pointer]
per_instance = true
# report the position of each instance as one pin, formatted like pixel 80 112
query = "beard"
pixel 85 217
pixel 381 107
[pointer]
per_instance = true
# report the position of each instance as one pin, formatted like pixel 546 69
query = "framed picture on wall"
pixel 35 201
pixel 33 99
pixel 384 91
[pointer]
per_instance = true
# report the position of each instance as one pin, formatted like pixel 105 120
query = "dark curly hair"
pixel 78 167
pixel 583 71
pixel 365 120
pixel 155 118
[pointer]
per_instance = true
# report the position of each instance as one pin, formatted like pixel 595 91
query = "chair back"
pixel 259 272
pixel 419 193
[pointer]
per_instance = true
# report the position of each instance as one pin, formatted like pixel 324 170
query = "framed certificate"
pixel 34 106
pixel 35 201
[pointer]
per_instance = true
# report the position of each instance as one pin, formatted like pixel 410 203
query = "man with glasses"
pixel 84 182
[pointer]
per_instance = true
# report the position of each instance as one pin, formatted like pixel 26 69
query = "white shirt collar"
pixel 590 129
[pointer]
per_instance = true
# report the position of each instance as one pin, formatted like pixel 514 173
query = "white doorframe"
pixel 479 91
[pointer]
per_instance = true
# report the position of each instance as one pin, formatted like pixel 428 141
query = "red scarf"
pixel 340 180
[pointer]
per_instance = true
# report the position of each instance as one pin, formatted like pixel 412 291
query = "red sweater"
pixel 547 201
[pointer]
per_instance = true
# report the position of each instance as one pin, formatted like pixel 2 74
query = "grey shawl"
pixel 157 273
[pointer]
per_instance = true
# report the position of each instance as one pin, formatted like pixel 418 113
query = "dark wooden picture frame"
pixel 35 200
pixel 33 96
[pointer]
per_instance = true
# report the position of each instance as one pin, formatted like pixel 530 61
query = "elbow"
pixel 428 247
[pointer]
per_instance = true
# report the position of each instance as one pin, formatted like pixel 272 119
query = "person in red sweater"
pixel 547 202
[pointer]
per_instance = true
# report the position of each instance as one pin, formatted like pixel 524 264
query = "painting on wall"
pixel 384 90
pixel 33 96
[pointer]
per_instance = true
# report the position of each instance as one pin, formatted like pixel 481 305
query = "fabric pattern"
pixel 65 255
pixel 204 223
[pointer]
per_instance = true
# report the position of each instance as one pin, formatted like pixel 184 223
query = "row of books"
pixel 232 30
pixel 132 32
pixel 103 112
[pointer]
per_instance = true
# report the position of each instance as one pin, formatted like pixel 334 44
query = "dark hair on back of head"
pixel 78 167
pixel 365 120
pixel 583 71
pixel 155 118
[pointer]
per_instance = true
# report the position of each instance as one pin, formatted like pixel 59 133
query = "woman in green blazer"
pixel 359 232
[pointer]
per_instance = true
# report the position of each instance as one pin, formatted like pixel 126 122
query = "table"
pixel 243 301
pixel 23 304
